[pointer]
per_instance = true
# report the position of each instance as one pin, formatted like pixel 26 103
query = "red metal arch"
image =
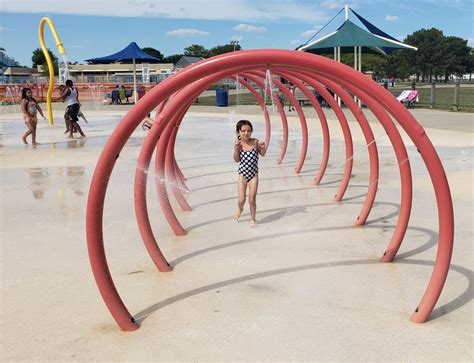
pixel 281 111
pixel 400 153
pixel 225 65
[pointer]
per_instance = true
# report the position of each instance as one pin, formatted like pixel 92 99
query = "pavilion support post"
pixel 359 59
pixel 135 97
pixel 339 60
pixel 356 63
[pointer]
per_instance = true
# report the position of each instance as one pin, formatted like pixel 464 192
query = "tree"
pixel 396 65
pixel 172 58
pixel 456 60
pixel 221 49
pixel 39 59
pixel 196 50
pixel 370 62
pixel 429 57
pixel 470 63
pixel 153 52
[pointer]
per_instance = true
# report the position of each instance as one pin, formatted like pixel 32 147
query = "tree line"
pixel 438 57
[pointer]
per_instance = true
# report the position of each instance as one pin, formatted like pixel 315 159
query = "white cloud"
pixel 183 33
pixel 236 10
pixel 308 33
pixel 391 18
pixel 3 28
pixel 470 42
pixel 295 42
pixel 247 28
pixel 335 4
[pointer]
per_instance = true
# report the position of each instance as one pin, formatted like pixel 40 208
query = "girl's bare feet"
pixel 24 140
pixel 253 223
pixel 237 215
pixel 36 143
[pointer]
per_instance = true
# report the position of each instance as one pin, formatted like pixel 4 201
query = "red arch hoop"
pixel 190 82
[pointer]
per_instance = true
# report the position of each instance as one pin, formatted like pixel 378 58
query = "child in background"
pixel 148 122
pixel 66 119
pixel 246 152
pixel 30 108
pixel 81 115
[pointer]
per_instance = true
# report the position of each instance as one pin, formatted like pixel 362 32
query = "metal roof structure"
pixel 131 52
pixel 349 35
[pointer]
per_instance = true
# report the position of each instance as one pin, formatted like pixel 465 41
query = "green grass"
pixel 444 98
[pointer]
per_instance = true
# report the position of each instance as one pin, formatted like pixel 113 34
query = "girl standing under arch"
pixel 246 152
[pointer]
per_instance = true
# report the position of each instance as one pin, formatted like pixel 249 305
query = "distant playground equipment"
pixel 63 67
pixel 173 98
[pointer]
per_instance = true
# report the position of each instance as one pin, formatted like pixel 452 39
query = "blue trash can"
pixel 141 92
pixel 222 97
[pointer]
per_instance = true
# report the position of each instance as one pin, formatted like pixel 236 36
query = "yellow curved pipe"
pixel 61 50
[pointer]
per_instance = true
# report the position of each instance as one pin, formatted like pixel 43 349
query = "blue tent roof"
pixel 132 51
pixel 349 35
pixel 372 28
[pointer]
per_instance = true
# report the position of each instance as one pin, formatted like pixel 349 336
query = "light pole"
pixel 234 43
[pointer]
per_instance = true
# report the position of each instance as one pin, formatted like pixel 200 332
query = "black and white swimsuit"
pixel 248 166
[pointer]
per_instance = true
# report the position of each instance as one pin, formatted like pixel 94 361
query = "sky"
pixel 90 28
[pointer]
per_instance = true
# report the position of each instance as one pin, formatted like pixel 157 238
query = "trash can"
pixel 222 97
pixel 141 92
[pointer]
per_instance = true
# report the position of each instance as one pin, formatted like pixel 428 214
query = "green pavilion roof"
pixel 350 35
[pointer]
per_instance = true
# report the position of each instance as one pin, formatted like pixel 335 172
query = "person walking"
pixel 30 108
pixel 70 95
pixel 246 152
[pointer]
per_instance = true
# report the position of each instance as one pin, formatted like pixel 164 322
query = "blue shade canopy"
pixel 129 53
pixel 350 35
pixel 372 28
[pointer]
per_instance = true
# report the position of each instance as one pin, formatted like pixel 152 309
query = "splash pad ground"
pixel 304 284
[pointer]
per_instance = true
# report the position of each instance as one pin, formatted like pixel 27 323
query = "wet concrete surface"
pixel 303 285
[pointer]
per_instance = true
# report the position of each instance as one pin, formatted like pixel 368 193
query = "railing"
pixel 452 96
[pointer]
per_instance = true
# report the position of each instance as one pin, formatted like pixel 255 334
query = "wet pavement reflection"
pixel 67 178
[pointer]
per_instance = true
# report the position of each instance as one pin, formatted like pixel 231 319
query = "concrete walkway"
pixel 303 285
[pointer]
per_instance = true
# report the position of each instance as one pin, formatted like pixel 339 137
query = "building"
pixel 20 75
pixel 5 60
pixel 186 60
pixel 119 72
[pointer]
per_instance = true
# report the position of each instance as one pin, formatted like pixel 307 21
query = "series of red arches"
pixel 174 96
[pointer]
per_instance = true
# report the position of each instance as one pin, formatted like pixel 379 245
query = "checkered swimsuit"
pixel 248 166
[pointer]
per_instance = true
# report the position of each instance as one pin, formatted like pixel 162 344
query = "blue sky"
pixel 90 28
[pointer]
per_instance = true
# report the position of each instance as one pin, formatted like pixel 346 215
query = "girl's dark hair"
pixel 241 123
pixel 23 92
